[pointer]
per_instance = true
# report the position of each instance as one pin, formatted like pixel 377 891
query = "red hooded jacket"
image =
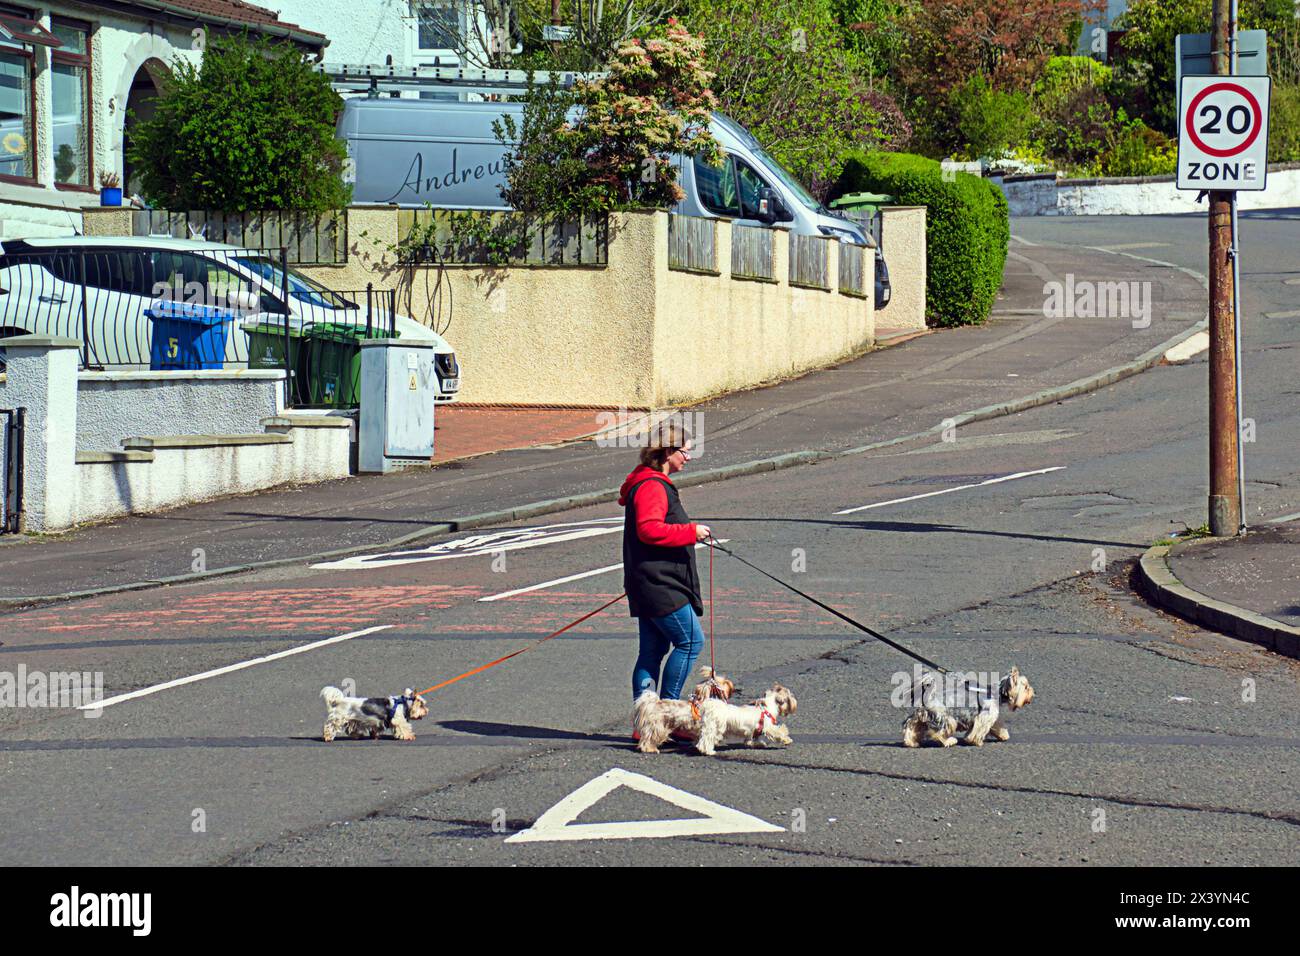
pixel 651 507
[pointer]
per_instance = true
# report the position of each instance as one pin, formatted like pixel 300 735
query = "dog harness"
pixel 394 703
pixel 758 731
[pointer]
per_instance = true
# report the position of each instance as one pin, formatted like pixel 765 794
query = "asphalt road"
pixel 1149 741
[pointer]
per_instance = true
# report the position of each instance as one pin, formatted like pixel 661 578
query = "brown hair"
pixel 664 439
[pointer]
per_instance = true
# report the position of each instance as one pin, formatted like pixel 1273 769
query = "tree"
pixel 250 129
pixel 784 71
pixel 610 143
pixel 503 33
pixel 1146 51
pixel 946 45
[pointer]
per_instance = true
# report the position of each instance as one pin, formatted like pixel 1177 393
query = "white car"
pixel 129 279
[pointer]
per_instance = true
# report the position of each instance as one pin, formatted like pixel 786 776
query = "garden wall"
pixel 1046 195
pixel 633 332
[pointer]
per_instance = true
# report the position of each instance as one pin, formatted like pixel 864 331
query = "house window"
pixel 17 128
pixel 70 81
pixel 437 25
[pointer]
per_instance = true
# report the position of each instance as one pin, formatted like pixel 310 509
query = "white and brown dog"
pixel 755 724
pixel 655 720
pixel 964 706
pixel 362 716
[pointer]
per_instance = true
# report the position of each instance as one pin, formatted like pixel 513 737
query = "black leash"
pixel 826 607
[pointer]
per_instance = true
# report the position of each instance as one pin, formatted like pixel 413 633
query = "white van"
pixel 443 153
pixel 41 292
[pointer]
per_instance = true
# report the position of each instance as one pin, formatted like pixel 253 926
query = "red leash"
pixel 713 665
pixel 502 660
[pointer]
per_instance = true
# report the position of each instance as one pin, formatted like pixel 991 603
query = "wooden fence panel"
pixel 692 244
pixel 751 252
pixel 309 239
pixel 512 239
pixel 853 268
pixel 808 257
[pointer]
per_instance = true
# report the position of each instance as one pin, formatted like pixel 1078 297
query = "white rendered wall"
pixel 112 406
pixel 359 31
pixel 1039 196
pixel 179 476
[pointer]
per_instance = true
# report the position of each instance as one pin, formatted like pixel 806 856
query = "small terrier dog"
pixel 755 723
pixel 358 716
pixel 971 709
pixel 655 720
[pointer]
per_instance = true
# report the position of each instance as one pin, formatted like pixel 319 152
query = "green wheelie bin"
pixel 332 363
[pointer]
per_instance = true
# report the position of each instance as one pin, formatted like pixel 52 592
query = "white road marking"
pixel 479 544
pixel 557 824
pixel 229 668
pixel 1037 437
pixel 948 491
pixel 550 584
pixel 1192 345
pixel 572 577
pixel 1134 245
pixel 1023 241
pixel 1293 314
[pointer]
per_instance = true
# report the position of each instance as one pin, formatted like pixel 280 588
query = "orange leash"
pixel 502 660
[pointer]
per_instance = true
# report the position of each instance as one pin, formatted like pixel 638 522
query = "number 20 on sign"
pixel 1223 132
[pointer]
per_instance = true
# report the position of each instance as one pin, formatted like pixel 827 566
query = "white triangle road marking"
pixel 557 823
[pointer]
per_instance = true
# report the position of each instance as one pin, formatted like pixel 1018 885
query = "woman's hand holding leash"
pixel 702 532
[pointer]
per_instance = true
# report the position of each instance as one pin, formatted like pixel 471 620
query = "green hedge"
pixel 966 229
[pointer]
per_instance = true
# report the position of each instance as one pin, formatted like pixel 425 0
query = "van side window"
pixel 717 187
pixel 750 186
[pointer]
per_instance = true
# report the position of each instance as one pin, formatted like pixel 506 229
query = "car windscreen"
pixel 305 290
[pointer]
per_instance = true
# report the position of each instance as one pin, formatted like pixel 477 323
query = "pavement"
pixel 1010 541
pixel 1247 586
pixel 467 431
pixel 1019 358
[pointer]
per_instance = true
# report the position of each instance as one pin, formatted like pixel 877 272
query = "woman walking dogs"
pixel 663 586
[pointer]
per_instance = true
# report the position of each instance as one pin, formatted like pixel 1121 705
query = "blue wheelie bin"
pixel 187 336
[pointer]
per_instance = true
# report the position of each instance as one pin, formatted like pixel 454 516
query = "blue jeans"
pixel 679 630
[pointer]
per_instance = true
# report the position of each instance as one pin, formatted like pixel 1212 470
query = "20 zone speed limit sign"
pixel 1223 132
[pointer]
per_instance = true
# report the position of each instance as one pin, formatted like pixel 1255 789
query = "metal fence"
pixel 808 257
pixel 12 427
pixel 134 307
pixel 853 269
pixel 692 244
pixel 464 237
pixel 308 238
pixel 751 252
pixel 190 310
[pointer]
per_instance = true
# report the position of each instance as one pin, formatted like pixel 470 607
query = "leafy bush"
pixel 1076 129
pixel 966 233
pixel 1140 151
pixel 1064 75
pixel 250 129
pixel 990 121
pixel 1284 125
